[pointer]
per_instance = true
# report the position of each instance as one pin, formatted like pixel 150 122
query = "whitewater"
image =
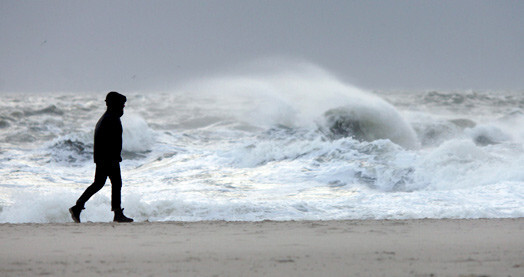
pixel 292 143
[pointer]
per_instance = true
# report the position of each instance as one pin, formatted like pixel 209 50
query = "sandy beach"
pixel 481 247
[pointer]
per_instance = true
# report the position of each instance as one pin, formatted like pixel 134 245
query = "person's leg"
pixel 101 174
pixel 116 189
pixel 116 186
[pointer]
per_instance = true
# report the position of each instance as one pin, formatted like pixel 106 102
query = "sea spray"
pixel 302 98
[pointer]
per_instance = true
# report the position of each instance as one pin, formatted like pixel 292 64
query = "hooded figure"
pixel 107 151
pixel 108 131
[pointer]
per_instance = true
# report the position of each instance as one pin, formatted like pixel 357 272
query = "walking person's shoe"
pixel 120 217
pixel 75 213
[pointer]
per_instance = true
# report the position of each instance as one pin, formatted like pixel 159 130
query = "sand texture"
pixel 483 247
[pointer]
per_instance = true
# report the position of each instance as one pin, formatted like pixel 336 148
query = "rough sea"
pixel 280 145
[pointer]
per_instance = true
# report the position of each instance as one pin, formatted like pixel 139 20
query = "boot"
pixel 75 213
pixel 120 217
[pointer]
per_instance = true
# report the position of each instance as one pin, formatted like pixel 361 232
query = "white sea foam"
pixel 137 136
pixel 287 144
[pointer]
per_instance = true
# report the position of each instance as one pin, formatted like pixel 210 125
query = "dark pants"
pixel 102 172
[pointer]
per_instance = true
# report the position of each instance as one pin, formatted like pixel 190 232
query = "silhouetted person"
pixel 107 150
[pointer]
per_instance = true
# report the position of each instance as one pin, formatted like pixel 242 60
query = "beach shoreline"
pixel 422 247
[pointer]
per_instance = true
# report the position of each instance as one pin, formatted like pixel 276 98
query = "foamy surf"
pixel 290 143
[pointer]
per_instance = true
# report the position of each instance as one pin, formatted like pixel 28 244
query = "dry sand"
pixel 485 247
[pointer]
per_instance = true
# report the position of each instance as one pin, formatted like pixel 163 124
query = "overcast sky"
pixel 153 45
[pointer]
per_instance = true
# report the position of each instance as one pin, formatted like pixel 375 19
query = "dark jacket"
pixel 108 139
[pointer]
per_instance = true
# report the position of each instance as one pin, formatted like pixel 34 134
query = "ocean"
pixel 278 145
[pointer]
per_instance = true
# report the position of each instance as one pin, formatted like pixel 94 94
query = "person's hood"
pixel 115 99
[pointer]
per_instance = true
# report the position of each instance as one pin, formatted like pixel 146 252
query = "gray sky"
pixel 153 45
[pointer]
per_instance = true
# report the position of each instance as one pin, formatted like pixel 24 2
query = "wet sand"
pixel 480 247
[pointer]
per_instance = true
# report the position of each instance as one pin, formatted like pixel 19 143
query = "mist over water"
pixel 286 142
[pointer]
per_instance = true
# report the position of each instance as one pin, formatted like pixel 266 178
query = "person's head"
pixel 116 102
